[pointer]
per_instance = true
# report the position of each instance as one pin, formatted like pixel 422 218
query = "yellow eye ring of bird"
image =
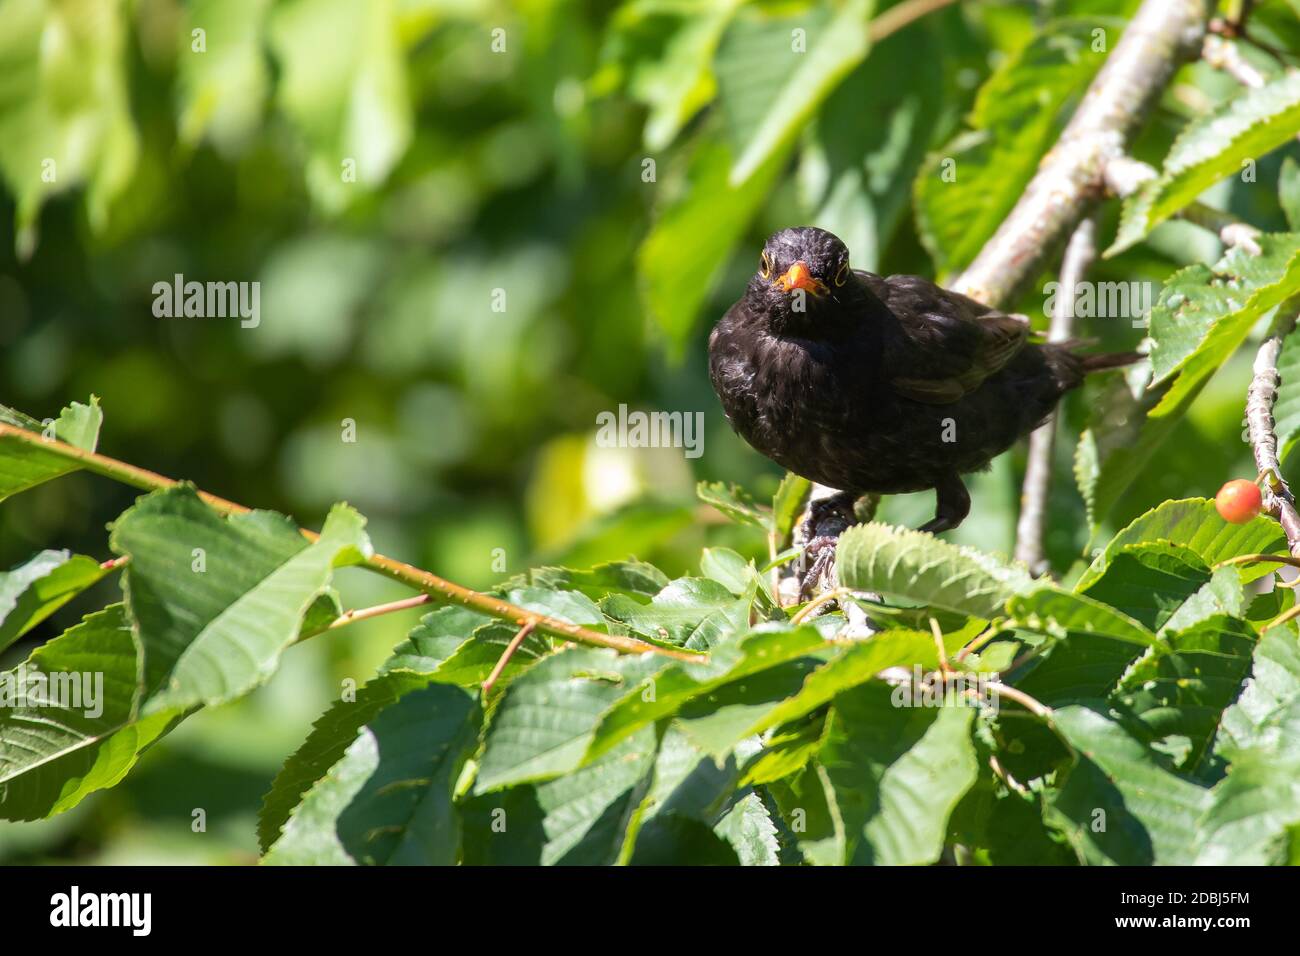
pixel 765 267
pixel 842 276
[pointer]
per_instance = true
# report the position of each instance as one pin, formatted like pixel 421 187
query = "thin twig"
pixel 937 633
pixel 1261 428
pixel 1030 704
pixel 819 601
pixel 1288 615
pixel 895 18
pixel 365 613
pixel 504 659
pixel 1079 254
pixel 1004 776
pixel 1161 35
pixel 1288 559
pixel 407 574
pixel 1223 54
pixel 978 641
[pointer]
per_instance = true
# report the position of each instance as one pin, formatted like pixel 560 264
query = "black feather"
pixel 880 384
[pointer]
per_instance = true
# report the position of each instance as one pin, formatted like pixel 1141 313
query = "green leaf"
pixel 701 220
pixel 65 114
pixel 769 85
pixel 1181 695
pixel 218 599
pixel 1202 315
pixel 787 749
pixel 787 503
pixel 1200 319
pixel 966 188
pixel 389 801
pixel 1288 192
pixel 224 86
pixel 1267 715
pixel 1223 594
pixel 572 606
pixel 548 716
pixel 1093 645
pixel 57 748
pixel 587 812
pixel 748 827
pixel 863 152
pixel 1054 611
pixel 1255 809
pixel 1254 812
pixel 727 568
pixel 667 691
pixel 343 85
pixel 582 818
pixel 331 736
pixel 473 661
pixel 33 591
pixel 1254 122
pixel 673 840
pixel 676 612
pixel 1194 524
pixel 436 638
pixel 634 578
pixel 1119 804
pixel 897 774
pixel 734 502
pixel 666 52
pixel 749 706
pixel 808 808
pixel 25 465
pixel 919 567
pixel 1149 582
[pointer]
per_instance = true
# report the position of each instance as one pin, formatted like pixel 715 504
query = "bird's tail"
pixel 1099 363
pixel 1070 367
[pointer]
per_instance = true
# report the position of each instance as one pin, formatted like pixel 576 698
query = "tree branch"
pixel 1079 255
pixel 407 574
pixel 1161 35
pixel 1260 397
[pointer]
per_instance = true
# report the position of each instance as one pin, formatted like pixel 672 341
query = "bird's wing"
pixel 949 343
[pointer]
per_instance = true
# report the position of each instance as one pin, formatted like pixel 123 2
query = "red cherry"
pixel 1238 501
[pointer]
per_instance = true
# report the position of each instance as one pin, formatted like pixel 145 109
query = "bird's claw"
pixel 827 519
pixel 821 550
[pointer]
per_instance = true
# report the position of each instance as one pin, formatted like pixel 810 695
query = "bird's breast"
pixel 788 398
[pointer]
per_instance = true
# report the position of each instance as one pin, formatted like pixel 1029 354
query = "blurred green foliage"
pixel 381 168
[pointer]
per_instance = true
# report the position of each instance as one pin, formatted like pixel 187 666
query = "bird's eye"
pixel 765 267
pixel 842 276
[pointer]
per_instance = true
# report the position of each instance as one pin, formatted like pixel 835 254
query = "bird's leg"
pixel 827 518
pixel 951 505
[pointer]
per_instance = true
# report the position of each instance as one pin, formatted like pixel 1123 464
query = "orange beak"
pixel 798 277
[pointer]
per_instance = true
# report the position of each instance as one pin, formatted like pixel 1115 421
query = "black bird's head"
pixel 799 280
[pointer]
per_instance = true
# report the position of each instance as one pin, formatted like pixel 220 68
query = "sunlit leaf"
pixel 1254 122
pixel 36 589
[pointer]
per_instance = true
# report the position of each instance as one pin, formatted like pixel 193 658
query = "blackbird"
pixel 880 384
